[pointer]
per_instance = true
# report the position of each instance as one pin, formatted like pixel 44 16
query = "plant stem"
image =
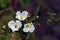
pixel 36 11
pixel 28 35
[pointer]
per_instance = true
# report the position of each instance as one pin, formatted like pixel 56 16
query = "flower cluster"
pixel 16 25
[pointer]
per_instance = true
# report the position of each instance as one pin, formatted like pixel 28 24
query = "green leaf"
pixel 23 2
pixel 4 38
pixel 4 3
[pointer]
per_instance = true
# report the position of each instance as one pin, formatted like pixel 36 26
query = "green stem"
pixel 36 11
pixel 56 19
pixel 28 35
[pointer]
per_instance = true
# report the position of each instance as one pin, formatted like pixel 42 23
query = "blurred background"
pixel 47 25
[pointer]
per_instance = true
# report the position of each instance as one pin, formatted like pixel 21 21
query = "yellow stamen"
pixel 21 17
pixel 27 26
pixel 16 26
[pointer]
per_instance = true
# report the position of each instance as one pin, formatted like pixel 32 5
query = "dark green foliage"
pixel 4 38
pixel 4 3
pixel 24 2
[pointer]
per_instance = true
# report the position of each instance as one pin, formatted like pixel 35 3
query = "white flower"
pixel 14 26
pixel 28 27
pixel 21 16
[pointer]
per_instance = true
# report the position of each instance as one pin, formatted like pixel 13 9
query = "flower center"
pixel 16 26
pixel 27 26
pixel 21 17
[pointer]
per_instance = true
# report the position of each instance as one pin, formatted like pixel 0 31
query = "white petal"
pixel 11 24
pixel 32 28
pixel 17 16
pixel 14 29
pixel 24 14
pixel 18 23
pixel 25 30
pixel 18 13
